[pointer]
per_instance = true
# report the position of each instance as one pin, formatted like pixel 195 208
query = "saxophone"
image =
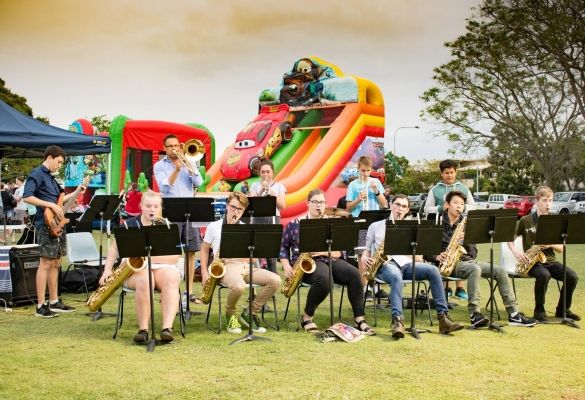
pixel 216 272
pixel 454 251
pixel 379 260
pixel 127 267
pixel 534 255
pixel 304 265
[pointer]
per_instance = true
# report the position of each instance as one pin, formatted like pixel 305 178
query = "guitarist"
pixel 44 192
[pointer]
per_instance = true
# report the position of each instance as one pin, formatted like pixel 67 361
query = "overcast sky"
pixel 207 61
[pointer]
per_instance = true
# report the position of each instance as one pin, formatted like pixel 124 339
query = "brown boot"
pixel 398 327
pixel 446 325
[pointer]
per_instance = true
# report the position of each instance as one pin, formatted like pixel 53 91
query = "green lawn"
pixel 73 357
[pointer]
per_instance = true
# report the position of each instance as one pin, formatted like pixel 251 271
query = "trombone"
pixel 191 152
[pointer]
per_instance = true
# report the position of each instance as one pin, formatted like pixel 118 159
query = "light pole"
pixel 396 131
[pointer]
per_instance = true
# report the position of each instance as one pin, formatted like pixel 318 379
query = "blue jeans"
pixel 392 274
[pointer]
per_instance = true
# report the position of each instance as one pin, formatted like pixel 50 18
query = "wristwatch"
pixel 377 194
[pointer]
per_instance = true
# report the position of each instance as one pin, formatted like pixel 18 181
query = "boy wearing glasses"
pixel 237 270
pixel 343 272
pixel 175 180
pixel 399 267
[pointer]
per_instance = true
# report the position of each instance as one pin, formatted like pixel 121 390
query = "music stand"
pixel 328 234
pixel 188 209
pixel 149 241
pixel 568 229
pixel 491 226
pixel 410 237
pixel 101 207
pixel 75 225
pixel 250 240
pixel 264 206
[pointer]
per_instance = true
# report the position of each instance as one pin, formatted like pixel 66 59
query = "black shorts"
pixel 194 236
pixel 50 246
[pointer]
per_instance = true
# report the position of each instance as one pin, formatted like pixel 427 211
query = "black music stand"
pixel 328 234
pixel 410 237
pixel 491 226
pixel 250 240
pixel 188 209
pixel 75 225
pixel 373 216
pixel 568 229
pixel 260 207
pixel 101 207
pixel 149 241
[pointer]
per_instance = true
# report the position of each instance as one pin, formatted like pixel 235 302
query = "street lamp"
pixel 396 131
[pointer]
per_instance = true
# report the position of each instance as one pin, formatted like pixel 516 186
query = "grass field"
pixel 73 357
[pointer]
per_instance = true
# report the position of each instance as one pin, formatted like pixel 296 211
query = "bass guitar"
pixel 55 224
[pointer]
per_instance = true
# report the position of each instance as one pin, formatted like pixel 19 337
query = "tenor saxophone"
pixel 534 255
pixel 304 265
pixel 216 272
pixel 379 260
pixel 455 250
pixel 127 267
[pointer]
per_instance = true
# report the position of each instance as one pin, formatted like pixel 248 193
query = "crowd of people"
pixel 177 177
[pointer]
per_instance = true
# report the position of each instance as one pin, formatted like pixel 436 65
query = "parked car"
pixel 566 202
pixel 257 141
pixel 497 200
pixel 417 203
pixel 580 207
pixel 522 203
pixel 480 202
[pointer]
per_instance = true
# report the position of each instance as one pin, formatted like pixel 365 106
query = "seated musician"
pixel 400 267
pixel 343 272
pixel 542 272
pixel 237 270
pixel 472 270
pixel 165 275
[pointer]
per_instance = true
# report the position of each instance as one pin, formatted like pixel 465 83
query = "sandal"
pixel 365 328
pixel 309 326
pixel 195 299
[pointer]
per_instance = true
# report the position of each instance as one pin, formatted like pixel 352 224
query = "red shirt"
pixel 133 198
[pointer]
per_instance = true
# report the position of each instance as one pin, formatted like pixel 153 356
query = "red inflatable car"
pixel 257 141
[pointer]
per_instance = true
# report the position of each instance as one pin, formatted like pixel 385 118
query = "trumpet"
pixel 265 187
pixel 191 152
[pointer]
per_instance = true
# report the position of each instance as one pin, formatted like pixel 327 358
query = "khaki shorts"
pixel 50 246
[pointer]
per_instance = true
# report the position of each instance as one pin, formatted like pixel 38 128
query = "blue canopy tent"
pixel 22 136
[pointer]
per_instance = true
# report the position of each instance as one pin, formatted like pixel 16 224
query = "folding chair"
pixel 82 252
pixel 217 330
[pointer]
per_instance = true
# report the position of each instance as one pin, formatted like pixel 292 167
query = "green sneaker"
pixel 256 327
pixel 233 326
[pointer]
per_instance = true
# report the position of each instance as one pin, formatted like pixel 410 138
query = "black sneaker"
pixel 478 320
pixel 570 314
pixel 141 336
pixel 540 316
pixel 45 312
pixel 60 307
pixel 382 294
pixel 166 335
pixel 256 327
pixel 369 296
pixel 520 320
pixel 448 293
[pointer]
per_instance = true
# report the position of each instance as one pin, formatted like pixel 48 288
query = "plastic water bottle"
pixel 184 300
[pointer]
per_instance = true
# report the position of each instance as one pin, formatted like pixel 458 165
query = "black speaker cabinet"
pixel 24 263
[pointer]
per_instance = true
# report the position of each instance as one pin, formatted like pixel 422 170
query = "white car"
pixel 566 202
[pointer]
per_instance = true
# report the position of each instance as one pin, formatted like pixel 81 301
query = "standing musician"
pixel 165 275
pixel 399 267
pixel 542 272
pixel 268 187
pixel 343 272
pixel 43 191
pixel 237 270
pixel 435 203
pixel 364 194
pixel 176 177
pixel 469 268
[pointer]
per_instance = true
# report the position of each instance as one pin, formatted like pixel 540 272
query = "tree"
pixel 495 79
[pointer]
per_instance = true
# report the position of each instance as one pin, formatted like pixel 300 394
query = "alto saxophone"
pixel 534 255
pixel 304 265
pixel 379 260
pixel 455 250
pixel 216 272
pixel 127 267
